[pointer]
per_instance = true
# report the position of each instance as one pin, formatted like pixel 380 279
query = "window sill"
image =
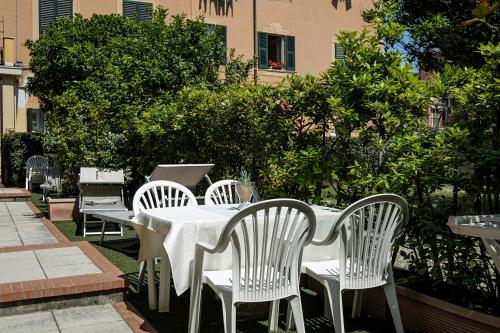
pixel 276 71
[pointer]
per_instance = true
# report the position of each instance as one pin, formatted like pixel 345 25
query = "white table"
pixel 172 233
pixel 487 227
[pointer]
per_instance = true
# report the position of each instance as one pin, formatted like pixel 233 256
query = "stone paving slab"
pixel 42 322
pixel 95 318
pixel 45 264
pixel 48 271
pixel 19 225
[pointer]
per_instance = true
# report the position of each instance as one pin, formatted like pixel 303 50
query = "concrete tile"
pixel 62 251
pixel 10 242
pixel 24 256
pixel 71 270
pixel 114 327
pixel 42 322
pixel 22 271
pixel 86 315
pixel 33 220
pixel 42 239
pixel 31 227
pixel 76 259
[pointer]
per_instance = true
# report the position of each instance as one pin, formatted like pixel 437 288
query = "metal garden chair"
pixel 267 239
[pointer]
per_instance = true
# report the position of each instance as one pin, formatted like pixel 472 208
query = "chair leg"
pixel 165 273
pixel 335 296
pixel 392 300
pixel 356 304
pixel 151 285
pixel 298 316
pixel 274 316
pixel 229 313
pixel 140 279
pixel 84 224
pixel 290 324
pixel 103 230
pixel 327 307
pixel 195 307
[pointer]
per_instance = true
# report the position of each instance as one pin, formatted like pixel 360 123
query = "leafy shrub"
pixel 16 149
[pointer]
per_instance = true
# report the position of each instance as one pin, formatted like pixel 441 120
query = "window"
pixel 339 51
pixel 50 10
pixel 276 52
pixel 140 10
pixel 212 28
pixel 36 120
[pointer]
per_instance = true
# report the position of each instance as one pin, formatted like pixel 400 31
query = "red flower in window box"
pixel 275 64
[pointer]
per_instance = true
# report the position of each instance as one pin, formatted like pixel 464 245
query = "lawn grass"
pixel 252 318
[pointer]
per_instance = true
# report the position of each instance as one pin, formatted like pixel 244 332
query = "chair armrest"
pixel 201 246
pixel 316 241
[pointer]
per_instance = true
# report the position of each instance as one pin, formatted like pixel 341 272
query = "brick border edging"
pixel 61 238
pixel 111 277
pixel 133 318
pixel 23 194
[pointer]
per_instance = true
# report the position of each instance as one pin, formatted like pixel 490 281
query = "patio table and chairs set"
pixel 249 252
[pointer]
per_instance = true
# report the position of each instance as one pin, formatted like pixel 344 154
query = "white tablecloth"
pixel 177 230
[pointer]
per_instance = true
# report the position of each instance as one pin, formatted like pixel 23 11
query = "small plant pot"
pixel 244 192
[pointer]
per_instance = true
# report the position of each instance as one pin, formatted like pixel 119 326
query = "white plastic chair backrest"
pixel 267 240
pixel 37 164
pixel 221 193
pixel 54 174
pixel 367 231
pixel 162 194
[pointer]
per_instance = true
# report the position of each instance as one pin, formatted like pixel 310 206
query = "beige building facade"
pixel 292 36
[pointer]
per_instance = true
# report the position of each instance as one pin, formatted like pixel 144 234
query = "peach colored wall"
pixel 313 23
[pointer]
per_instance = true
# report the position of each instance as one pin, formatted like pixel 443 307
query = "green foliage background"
pixel 16 149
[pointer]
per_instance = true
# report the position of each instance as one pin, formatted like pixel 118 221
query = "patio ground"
pixel 123 253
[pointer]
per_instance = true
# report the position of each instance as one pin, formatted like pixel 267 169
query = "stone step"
pixel 50 276
pixel 14 194
pixel 120 318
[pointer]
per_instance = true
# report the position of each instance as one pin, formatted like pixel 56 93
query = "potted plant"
pixel 244 187
pixel 277 65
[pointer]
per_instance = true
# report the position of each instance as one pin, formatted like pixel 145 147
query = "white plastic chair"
pixel 36 170
pixel 267 239
pixel 222 192
pixel 367 231
pixel 52 180
pixel 160 194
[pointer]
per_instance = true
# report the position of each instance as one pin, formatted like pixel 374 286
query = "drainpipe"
pixel 255 53
pixel 17 30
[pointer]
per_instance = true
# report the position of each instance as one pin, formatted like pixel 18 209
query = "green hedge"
pixel 16 149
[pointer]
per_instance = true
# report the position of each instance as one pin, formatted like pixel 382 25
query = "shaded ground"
pixel 251 318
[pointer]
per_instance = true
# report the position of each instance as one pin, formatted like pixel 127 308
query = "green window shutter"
pixel 290 53
pixel 263 62
pixel 140 10
pixel 339 51
pixel 64 8
pixel 50 10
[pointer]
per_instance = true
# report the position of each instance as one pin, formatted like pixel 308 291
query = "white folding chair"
pixel 160 194
pixel 267 239
pixel 36 170
pixel 222 192
pixel 367 230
